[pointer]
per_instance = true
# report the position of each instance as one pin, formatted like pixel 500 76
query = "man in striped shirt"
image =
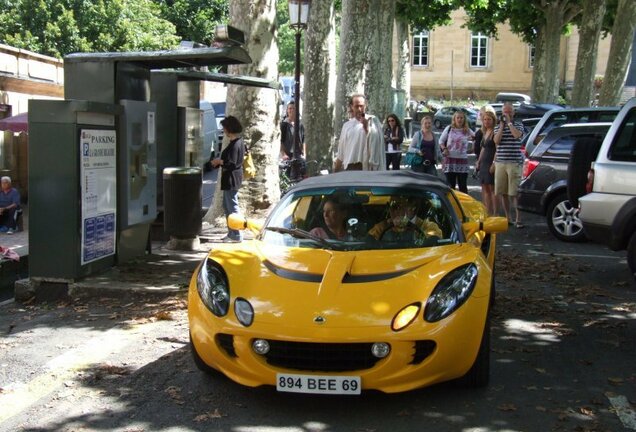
pixel 508 161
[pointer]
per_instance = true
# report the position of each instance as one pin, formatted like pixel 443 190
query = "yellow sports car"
pixel 356 281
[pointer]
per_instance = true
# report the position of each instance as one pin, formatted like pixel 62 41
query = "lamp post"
pixel 298 15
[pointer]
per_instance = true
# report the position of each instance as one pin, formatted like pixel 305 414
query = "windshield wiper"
pixel 299 233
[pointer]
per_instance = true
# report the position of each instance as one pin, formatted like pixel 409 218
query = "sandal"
pixel 519 225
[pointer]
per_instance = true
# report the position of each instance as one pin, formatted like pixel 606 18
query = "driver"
pixel 403 224
pixel 334 214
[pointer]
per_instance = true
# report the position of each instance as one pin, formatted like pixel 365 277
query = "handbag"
pixel 413 159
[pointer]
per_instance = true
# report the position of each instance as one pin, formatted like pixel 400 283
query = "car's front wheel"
pixel 198 361
pixel 479 373
pixel 563 220
pixel 631 255
pixel 438 124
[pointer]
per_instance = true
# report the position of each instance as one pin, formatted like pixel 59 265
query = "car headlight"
pixel 244 311
pixel 213 287
pixel 451 292
pixel 405 316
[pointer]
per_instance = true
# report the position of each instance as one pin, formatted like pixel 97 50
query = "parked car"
pixel 386 306
pixel 608 211
pixel 444 116
pixel 543 187
pixel 560 116
pixel 512 97
pixel 533 110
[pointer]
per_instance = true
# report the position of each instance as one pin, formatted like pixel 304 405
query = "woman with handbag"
pixel 423 151
pixel 231 163
pixel 484 137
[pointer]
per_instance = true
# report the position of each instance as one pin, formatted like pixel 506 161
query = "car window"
pixel 563 145
pixel 624 146
pixel 366 218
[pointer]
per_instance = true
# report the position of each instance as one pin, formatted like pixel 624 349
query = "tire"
pixel 200 364
pixel 479 373
pixel 563 220
pixel 584 152
pixel 631 255
pixel 438 124
pixel 493 289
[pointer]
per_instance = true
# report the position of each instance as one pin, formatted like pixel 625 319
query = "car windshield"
pixel 361 218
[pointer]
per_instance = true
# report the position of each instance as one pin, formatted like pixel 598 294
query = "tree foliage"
pixel 425 14
pixel 195 20
pixel 59 27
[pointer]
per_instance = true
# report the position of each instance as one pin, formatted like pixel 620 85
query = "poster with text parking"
pixel 98 177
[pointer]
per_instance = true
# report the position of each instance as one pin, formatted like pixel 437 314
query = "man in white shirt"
pixel 361 146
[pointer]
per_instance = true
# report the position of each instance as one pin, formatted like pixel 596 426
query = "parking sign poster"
pixel 98 193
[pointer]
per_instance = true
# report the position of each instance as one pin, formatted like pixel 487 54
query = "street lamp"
pixel 298 16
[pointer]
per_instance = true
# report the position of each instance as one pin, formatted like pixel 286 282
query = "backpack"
pixel 249 169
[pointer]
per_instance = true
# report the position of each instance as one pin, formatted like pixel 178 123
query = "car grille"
pixel 327 357
pixel 226 343
pixel 423 349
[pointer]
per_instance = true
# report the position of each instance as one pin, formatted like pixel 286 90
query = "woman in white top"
pixel 455 143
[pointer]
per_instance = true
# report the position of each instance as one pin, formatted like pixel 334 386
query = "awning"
pixel 17 123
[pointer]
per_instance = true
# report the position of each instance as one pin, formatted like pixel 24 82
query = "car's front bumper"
pixel 421 354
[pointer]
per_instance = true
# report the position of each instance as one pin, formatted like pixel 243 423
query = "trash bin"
pixel 182 202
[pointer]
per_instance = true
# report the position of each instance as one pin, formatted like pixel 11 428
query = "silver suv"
pixel 608 212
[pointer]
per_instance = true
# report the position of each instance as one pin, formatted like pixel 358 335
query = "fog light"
pixel 260 346
pixel 380 349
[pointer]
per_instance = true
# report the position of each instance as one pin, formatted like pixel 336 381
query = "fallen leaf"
pixel 507 407
pixel 616 381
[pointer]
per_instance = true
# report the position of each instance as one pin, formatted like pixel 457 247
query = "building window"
pixel 530 56
pixel 420 48
pixel 479 50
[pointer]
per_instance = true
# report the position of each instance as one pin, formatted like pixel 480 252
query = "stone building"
pixel 453 62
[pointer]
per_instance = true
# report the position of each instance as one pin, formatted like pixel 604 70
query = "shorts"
pixel 507 178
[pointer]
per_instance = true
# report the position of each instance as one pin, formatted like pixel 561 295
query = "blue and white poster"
pixel 98 193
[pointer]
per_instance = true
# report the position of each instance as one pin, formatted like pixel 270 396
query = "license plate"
pixel 323 384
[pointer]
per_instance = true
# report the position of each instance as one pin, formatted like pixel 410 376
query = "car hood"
pixel 293 286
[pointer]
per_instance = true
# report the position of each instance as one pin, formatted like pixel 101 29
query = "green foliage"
pixel 195 20
pixel 286 40
pixel 59 27
pixel 425 14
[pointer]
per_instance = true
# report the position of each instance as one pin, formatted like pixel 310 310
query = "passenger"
pixel 334 214
pixel 9 205
pixel 403 223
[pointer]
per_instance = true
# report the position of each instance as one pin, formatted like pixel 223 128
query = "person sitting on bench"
pixel 9 206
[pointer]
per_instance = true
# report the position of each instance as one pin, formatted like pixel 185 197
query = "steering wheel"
pixel 409 226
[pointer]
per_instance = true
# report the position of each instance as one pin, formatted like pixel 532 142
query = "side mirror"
pixel 491 225
pixel 238 222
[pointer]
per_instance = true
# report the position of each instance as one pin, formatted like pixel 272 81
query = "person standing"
pixel 360 146
pixel 393 139
pixel 425 145
pixel 454 144
pixel 9 205
pixel 231 163
pixel 484 138
pixel 287 134
pixel 508 161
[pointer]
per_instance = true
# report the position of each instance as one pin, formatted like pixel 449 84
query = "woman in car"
pixel 334 214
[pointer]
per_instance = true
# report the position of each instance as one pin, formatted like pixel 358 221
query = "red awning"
pixel 17 123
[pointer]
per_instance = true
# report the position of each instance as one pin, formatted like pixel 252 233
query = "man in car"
pixel 403 223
